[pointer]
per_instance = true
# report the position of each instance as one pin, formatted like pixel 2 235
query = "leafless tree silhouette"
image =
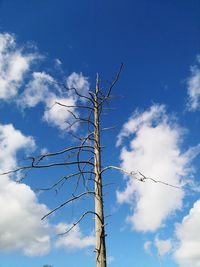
pixel 85 157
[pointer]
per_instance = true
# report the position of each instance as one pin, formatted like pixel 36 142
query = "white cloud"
pixel 58 63
pixel 74 240
pixel 155 150
pixel 14 64
pixel 11 141
pixel 43 89
pixel 37 90
pixel 163 246
pixel 187 253
pixel 194 87
pixel 57 115
pixel 78 81
pixel 138 119
pixel 21 227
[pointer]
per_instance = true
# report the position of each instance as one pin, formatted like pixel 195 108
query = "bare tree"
pixel 85 158
pixel 89 169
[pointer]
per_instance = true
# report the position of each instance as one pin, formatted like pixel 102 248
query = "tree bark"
pixel 99 208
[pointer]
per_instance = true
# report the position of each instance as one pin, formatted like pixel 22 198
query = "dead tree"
pixel 85 156
pixel 94 103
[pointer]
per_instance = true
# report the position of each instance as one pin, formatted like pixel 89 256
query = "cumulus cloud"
pixel 138 119
pixel 187 253
pixel 58 115
pixel 14 64
pixel 21 227
pixel 75 239
pixel 43 89
pixel 37 90
pixel 11 141
pixel 194 87
pixel 155 150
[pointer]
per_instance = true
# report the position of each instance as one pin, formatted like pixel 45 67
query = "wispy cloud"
pixel 163 246
pixel 147 247
pixel 110 259
pixel 193 88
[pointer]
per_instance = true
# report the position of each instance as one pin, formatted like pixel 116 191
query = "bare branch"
pixel 64 178
pixel 107 96
pixel 68 201
pixel 81 170
pixel 47 166
pixel 115 80
pixel 158 181
pixel 79 220
pixel 78 94
pixel 73 106
pixel 16 170
pixel 61 151
pixel 142 177
pixel 61 84
pixel 60 164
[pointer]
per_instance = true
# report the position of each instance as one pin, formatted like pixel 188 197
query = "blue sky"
pixel 157 132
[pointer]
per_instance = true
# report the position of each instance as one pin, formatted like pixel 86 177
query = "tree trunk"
pixel 99 220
